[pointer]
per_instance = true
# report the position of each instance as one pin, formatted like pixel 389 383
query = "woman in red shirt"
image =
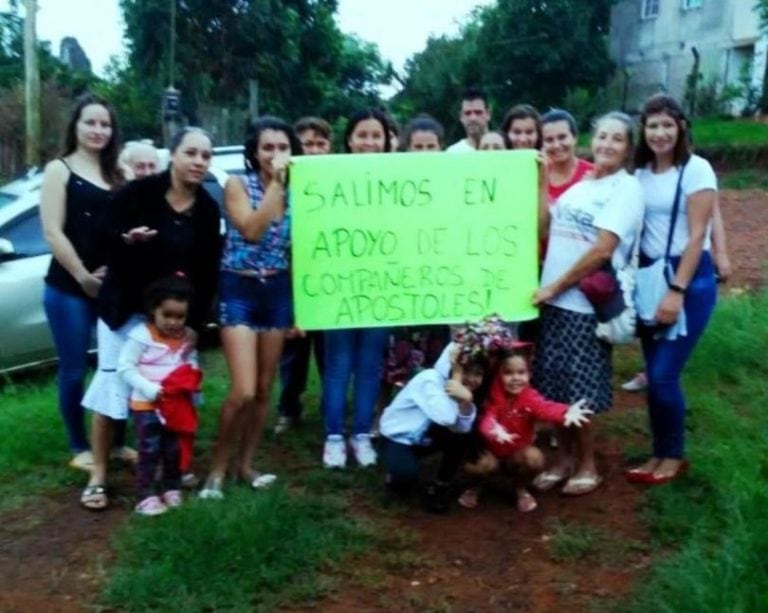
pixel 558 130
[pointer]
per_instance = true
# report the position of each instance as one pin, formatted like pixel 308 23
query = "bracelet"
pixel 676 288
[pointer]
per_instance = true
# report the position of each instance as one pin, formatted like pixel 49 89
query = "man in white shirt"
pixel 475 115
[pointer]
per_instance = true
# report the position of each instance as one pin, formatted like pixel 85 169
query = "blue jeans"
pixel 72 320
pixel 358 352
pixel 294 370
pixel 665 360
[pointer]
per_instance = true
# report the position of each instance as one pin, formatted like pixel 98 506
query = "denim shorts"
pixel 259 303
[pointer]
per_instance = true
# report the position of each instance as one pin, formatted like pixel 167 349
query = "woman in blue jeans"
pixel 663 159
pixel 76 189
pixel 354 352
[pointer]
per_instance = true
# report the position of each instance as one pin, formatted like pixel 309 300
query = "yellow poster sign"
pixel 413 238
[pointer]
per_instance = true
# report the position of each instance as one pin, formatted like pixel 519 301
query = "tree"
pixel 761 7
pixel 293 48
pixel 531 51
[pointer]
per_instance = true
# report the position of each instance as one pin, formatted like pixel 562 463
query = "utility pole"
pixel 171 96
pixel 31 85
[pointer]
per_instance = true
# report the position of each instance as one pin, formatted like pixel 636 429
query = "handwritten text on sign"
pixel 413 238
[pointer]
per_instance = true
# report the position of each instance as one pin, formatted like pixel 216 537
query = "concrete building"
pixel 653 42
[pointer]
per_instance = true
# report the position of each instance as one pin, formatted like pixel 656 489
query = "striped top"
pixel 272 252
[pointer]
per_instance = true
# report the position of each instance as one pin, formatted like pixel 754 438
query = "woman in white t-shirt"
pixel 663 154
pixel 594 222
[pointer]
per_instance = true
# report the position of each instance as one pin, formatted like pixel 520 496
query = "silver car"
pixel 24 258
pixel 25 338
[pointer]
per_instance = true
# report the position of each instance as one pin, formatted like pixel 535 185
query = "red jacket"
pixel 175 405
pixel 517 415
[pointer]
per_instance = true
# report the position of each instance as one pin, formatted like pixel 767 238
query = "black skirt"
pixel 570 362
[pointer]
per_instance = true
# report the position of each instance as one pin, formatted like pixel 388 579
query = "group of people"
pixel 138 254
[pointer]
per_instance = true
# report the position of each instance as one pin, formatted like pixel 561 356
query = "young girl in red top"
pixel 508 425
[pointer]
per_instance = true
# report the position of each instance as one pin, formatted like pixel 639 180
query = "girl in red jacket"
pixel 508 425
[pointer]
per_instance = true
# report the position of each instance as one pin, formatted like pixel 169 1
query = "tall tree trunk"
pixel 31 85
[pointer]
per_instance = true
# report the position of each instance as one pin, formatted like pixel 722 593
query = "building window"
pixel 649 9
pixel 691 4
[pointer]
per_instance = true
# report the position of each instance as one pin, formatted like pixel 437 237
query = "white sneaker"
pixel 152 505
pixel 335 452
pixel 636 384
pixel 362 449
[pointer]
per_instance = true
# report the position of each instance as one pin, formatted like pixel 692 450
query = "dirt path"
pixel 574 552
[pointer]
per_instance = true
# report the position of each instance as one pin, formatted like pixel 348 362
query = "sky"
pixel 400 28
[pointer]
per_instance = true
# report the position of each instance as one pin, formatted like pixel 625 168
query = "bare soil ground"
pixel 571 552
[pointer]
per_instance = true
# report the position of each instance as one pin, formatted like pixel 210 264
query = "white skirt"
pixel 108 394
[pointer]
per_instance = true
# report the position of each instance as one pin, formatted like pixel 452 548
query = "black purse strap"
pixel 675 211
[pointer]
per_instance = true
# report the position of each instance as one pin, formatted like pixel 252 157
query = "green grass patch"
pixel 714 132
pixel 571 540
pixel 248 552
pixel 715 520
pixel 33 454
pixel 748 178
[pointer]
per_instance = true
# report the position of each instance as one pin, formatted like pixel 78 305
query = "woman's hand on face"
pixel 140 234
pixel 669 309
pixel 280 167
pixel 543 294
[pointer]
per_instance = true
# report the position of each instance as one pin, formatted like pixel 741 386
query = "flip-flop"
pixel 526 503
pixel 579 486
pixel 82 461
pixel 547 480
pixel 263 481
pixel 469 498
pixel 94 498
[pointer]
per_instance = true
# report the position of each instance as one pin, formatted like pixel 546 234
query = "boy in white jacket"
pixel 433 413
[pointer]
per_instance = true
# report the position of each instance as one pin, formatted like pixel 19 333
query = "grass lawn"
pixel 713 132
pixel 291 544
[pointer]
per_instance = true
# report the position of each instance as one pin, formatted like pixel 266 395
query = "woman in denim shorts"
pixel 255 302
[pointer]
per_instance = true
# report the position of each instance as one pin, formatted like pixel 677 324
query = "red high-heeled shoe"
pixel 654 479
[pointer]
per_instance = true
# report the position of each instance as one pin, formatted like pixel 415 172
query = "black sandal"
pixel 94 498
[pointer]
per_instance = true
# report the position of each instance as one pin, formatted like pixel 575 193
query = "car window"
pixel 26 234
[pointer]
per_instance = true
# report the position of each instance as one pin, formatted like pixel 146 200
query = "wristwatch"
pixel 676 288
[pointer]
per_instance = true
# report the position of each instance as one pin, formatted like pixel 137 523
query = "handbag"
pixel 622 327
pixel 653 280
pixel 610 292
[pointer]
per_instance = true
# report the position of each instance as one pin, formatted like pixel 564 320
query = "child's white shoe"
pixel 362 449
pixel 335 452
pixel 152 505
pixel 173 498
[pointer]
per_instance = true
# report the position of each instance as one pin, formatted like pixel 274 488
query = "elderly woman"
pixel 594 222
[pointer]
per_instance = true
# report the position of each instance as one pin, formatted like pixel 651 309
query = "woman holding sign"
pixel 255 300
pixel 593 223
pixel 354 352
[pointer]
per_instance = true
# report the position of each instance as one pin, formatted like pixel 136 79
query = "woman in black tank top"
pixel 75 191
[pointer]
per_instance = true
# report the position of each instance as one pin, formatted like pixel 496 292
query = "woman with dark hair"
pixel 424 133
pixel 559 134
pixel 680 191
pixel 155 227
pixel 255 297
pixel 76 189
pixel 595 222
pixel 354 352
pixel 522 127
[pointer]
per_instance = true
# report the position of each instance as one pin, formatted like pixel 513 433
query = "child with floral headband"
pixel 435 412
pixel 508 424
